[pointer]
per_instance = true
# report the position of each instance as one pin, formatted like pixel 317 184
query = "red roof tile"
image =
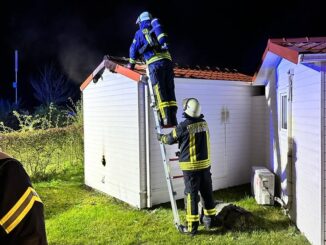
pixel 291 48
pixel 181 72
pixel 198 73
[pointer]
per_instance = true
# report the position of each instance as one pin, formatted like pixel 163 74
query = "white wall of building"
pixel 112 127
pixel 306 128
pixel 230 140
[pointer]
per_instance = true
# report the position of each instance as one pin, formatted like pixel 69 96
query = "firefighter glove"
pixel 130 66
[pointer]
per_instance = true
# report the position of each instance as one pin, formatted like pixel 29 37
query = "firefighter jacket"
pixel 21 209
pixel 150 54
pixel 193 137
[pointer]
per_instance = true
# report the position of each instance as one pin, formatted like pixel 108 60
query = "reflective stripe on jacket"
pixel 21 209
pixel 194 144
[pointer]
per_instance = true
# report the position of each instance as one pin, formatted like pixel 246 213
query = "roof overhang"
pixel 306 51
pixel 116 68
pixel 270 62
pixel 284 52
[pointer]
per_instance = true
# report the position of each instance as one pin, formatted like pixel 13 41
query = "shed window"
pixel 284 111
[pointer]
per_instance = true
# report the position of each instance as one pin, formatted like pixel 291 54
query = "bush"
pixel 51 116
pixel 44 117
pixel 45 153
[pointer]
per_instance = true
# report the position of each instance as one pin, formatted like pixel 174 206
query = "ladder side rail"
pixel 163 154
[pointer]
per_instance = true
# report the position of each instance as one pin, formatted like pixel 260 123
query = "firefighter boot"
pixel 173 116
pixel 184 230
pixel 210 221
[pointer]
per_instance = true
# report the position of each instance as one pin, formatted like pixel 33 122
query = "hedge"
pixel 45 153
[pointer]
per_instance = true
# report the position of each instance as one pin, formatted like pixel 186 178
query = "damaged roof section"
pixel 194 72
pixel 197 72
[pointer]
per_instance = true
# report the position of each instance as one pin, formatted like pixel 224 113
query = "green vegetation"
pixel 76 214
pixel 45 148
pixel 44 117
pixel 48 153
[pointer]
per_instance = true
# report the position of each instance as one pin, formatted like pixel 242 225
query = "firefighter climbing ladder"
pixel 168 177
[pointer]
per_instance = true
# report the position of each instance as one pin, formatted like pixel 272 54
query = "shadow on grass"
pixel 73 173
pixel 232 194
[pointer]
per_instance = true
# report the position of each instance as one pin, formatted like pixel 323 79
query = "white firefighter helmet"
pixel 191 107
pixel 143 16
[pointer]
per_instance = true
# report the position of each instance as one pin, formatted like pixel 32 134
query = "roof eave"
pixel 90 78
pixel 284 52
pixel 270 62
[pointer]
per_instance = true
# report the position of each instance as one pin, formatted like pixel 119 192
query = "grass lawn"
pixel 76 214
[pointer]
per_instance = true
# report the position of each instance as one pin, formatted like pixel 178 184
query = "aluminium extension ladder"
pixel 168 177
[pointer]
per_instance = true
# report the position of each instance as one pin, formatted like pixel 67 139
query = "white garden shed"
pixel 122 156
pixel 293 73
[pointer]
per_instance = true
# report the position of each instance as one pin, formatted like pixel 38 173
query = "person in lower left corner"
pixel 194 143
pixel 21 209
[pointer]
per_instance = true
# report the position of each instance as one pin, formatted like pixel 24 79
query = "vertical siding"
pixel 306 113
pixel 111 128
pixel 306 134
pixel 230 142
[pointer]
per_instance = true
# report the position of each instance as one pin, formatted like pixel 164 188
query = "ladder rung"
pixel 177 177
pixel 174 159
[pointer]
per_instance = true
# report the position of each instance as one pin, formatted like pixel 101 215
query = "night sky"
pixel 77 34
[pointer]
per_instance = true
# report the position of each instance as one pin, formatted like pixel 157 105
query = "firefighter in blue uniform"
pixel 193 137
pixel 150 42
pixel 21 209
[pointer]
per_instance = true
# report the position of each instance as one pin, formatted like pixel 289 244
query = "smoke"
pixel 76 48
pixel 78 60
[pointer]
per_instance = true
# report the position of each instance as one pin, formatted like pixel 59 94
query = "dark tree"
pixel 51 86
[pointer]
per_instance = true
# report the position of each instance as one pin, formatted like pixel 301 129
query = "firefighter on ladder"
pixel 21 209
pixel 193 137
pixel 150 42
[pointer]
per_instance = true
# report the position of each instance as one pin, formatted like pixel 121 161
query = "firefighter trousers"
pixel 162 77
pixel 198 181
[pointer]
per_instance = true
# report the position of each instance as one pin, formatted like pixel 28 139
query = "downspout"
pixel 147 149
pixel 142 155
pixel 289 166
pixel 287 203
